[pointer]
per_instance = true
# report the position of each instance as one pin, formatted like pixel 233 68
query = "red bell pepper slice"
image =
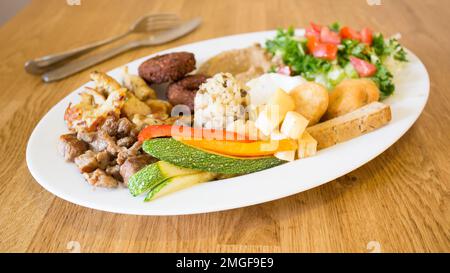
pixel 153 131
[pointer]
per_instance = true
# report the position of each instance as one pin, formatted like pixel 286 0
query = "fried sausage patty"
pixel 167 67
pixel 184 90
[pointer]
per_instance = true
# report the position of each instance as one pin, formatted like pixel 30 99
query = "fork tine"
pixel 159 16
pixel 154 17
pixel 161 19
pixel 159 26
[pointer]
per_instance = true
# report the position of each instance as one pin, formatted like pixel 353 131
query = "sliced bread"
pixel 350 125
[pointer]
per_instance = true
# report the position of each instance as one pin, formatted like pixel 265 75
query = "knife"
pixel 157 39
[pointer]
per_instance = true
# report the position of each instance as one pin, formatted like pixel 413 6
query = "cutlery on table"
pixel 157 39
pixel 148 23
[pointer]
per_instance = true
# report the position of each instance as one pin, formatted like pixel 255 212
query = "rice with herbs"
pixel 220 101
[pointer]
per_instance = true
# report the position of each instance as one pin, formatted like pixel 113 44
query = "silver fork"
pixel 157 39
pixel 147 23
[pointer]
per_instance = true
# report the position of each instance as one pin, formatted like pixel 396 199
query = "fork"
pixel 147 23
pixel 157 39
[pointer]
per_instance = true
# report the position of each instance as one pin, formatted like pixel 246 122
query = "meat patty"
pixel 167 67
pixel 183 91
pixel 70 147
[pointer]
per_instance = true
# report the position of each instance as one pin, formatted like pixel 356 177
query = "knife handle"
pixel 45 63
pixel 78 65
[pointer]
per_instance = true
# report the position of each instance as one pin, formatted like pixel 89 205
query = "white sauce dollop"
pixel 261 88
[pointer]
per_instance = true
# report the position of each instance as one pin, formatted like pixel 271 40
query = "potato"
pixel 138 86
pixel 311 101
pixel 134 106
pixel 159 106
pixel 350 95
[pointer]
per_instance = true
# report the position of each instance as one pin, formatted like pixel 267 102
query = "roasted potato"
pixel 134 106
pixel 159 106
pixel 138 86
pixel 350 95
pixel 311 100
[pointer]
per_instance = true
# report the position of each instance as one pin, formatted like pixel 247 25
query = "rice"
pixel 220 101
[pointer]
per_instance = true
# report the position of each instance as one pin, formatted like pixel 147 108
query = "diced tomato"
pixel 321 50
pixel 329 37
pixel 325 51
pixel 310 32
pixel 349 33
pixel 153 131
pixel 316 27
pixel 311 43
pixel 366 36
pixel 313 30
pixel 364 69
pixel 284 70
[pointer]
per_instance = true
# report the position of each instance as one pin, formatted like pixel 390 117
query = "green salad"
pixel 329 54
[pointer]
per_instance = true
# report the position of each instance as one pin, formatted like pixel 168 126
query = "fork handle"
pixel 81 64
pixel 42 64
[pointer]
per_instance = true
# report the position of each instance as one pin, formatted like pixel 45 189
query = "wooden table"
pixel 400 200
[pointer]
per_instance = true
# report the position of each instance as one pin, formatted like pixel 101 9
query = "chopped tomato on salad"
pixel 330 54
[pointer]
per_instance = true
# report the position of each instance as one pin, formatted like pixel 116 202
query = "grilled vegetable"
pixel 154 174
pixel 178 183
pixel 233 148
pixel 177 153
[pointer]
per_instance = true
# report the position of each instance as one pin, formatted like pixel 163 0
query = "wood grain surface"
pixel 401 199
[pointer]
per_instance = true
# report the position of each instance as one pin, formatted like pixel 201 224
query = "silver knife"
pixel 160 38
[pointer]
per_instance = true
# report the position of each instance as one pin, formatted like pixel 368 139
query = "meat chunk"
pixel 124 127
pixel 133 164
pixel 103 158
pixel 132 151
pixel 103 141
pixel 110 125
pixel 99 178
pixel 87 162
pixel 114 171
pixel 167 67
pixel 99 143
pixel 70 147
pixel 86 136
pixel 126 141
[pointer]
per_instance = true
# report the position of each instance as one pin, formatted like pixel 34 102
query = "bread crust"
pixel 350 125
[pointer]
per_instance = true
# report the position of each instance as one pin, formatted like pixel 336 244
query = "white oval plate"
pixel 64 180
